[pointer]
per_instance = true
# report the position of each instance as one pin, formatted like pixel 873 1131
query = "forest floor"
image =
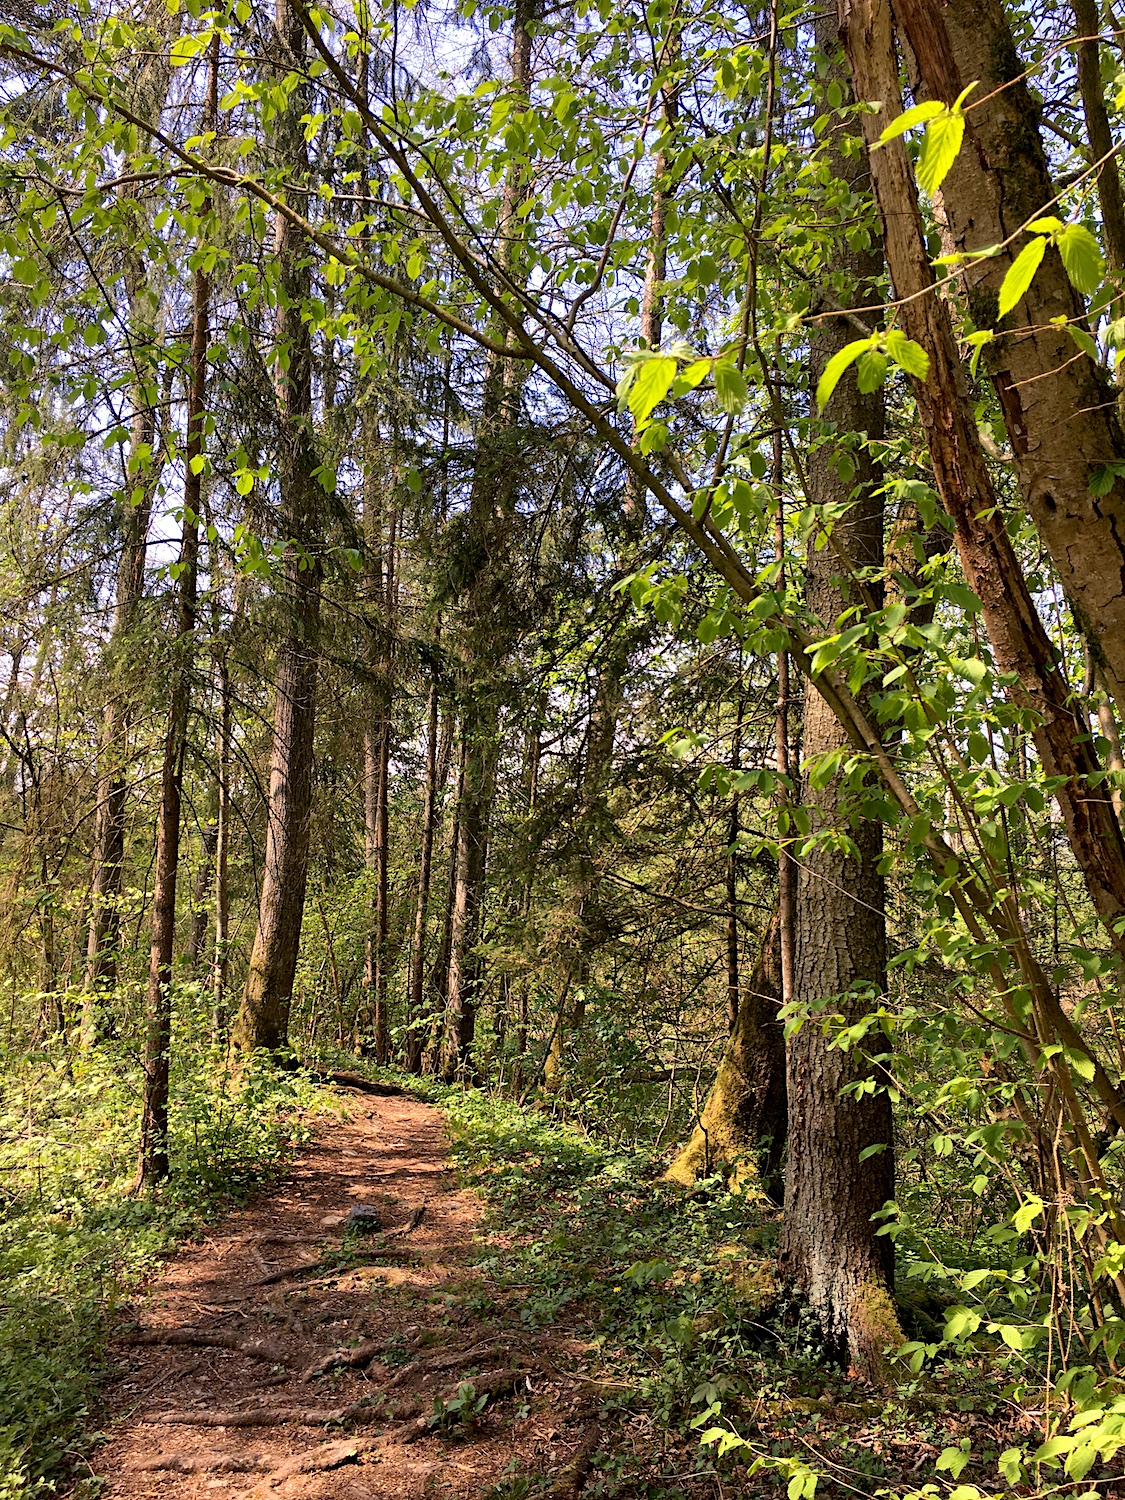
pixel 289 1354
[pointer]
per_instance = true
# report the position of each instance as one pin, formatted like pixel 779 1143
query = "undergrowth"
pixel 74 1242
pixel 689 1332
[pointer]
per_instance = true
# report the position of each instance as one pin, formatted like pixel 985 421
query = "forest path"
pixel 286 1355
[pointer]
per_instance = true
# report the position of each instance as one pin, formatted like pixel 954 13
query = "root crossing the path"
pixel 292 1354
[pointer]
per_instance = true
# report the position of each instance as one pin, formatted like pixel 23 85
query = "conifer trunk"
pixel 840 1164
pixel 412 1059
pixel 263 1018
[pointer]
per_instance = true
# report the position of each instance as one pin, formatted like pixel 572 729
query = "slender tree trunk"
pixel 1060 411
pixel 495 482
pixel 201 893
pixel 840 1164
pixel 222 854
pixel 417 1011
pixel 153 1161
pixel 150 90
pixel 734 829
pixel 263 1018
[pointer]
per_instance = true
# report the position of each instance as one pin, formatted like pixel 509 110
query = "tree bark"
pixel 417 1011
pixel 153 1164
pixel 263 1018
pixel 1020 644
pixel 840 1165
pixel 1060 411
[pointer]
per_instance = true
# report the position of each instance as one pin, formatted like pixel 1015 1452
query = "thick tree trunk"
pixel 1019 642
pixel 840 1166
pixel 1060 411
pixel 263 1018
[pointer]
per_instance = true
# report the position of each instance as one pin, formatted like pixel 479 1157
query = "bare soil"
pixel 258 1366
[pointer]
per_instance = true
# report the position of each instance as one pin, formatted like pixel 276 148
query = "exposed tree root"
pixel 480 1354
pixel 199 1338
pixel 203 1463
pixel 266 1416
pixel 357 1081
pixel 318 1460
pixel 356 1358
pixel 570 1479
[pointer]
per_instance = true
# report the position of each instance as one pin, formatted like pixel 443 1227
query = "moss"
pixel 874 1328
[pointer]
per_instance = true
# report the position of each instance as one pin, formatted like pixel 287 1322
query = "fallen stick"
pixel 200 1338
pixel 359 1083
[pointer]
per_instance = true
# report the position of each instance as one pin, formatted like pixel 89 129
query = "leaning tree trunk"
pixel 840 1166
pixel 263 1017
pixel 1060 410
pixel 1020 644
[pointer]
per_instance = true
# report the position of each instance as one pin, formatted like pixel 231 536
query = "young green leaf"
pixel 908 355
pixel 871 371
pixel 1020 274
pixel 730 386
pixel 650 385
pixel 1081 257
pixel 911 117
pixel 834 369
pixel 943 138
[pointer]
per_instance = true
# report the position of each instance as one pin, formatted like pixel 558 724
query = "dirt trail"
pixel 258 1366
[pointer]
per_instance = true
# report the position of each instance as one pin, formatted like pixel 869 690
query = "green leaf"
pixel 834 369
pixel 651 384
pixel 1020 274
pixel 1027 1213
pixel 730 386
pixel 1010 1465
pixel 1081 257
pixel 908 355
pixel 911 117
pixel 871 371
pixel 954 1459
pixel 944 135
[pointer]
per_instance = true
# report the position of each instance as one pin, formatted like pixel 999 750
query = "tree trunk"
pixel 495 480
pixel 150 91
pixel 840 1167
pixel 153 1161
pixel 1060 411
pixel 263 1018
pixel 222 855
pixel 201 893
pixel 1020 644
pixel 417 1011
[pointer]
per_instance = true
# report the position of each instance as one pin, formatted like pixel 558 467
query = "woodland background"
pixel 552 548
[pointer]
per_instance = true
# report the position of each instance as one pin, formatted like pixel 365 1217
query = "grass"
pixel 74 1243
